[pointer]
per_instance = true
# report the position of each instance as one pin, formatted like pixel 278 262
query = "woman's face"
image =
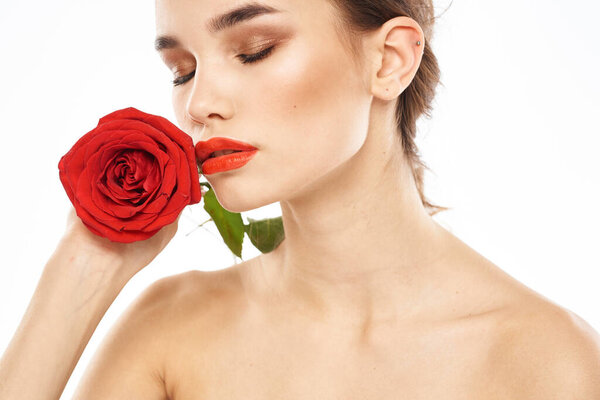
pixel 305 106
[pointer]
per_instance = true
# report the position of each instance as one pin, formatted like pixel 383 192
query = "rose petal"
pixel 135 186
pixel 174 133
pixel 128 209
pixel 93 180
pixel 170 213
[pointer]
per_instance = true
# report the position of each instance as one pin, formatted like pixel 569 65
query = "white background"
pixel 513 142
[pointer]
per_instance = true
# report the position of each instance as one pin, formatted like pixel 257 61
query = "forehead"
pixel 214 17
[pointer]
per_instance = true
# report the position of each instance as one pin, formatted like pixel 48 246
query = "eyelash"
pixel 246 59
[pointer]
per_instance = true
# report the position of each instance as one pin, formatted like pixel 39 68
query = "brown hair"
pixel 362 16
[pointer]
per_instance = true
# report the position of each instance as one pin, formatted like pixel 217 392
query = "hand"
pixel 132 257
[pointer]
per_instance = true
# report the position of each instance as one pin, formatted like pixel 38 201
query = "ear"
pixel 396 56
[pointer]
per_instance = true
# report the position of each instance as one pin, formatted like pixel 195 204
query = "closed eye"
pixel 256 56
pixel 246 59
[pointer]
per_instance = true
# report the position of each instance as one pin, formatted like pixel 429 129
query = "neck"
pixel 360 246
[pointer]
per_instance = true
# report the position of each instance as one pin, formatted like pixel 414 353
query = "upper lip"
pixel 204 149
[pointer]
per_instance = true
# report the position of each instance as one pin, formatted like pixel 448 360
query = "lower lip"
pixel 227 162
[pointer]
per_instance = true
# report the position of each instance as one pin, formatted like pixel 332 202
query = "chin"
pixel 240 198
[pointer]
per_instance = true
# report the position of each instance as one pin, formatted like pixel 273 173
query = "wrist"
pixel 89 256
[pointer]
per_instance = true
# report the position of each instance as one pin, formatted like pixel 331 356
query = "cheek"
pixel 311 103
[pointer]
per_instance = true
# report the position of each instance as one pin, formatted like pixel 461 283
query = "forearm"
pixel 71 297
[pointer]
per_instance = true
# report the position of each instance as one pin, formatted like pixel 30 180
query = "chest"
pixel 265 363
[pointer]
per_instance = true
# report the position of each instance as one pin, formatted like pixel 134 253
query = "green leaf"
pixel 230 225
pixel 265 234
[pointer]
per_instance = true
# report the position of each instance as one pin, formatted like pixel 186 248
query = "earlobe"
pixel 400 43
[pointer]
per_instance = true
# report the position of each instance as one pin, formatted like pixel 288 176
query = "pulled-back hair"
pixel 363 16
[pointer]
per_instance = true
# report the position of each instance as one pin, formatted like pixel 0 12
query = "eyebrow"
pixel 221 22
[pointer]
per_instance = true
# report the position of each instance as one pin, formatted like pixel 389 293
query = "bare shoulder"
pixel 194 312
pixel 547 351
pixel 130 361
pixel 192 307
pixel 179 297
pixel 537 348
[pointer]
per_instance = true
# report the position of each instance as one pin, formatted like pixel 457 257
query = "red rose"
pixel 131 175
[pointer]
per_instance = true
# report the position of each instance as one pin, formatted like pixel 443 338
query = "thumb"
pixel 175 224
pixel 72 217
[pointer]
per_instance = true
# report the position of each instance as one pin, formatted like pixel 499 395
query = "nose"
pixel 208 105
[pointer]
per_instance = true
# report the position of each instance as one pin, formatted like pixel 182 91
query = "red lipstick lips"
pixel 240 154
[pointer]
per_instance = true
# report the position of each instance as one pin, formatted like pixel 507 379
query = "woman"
pixel 367 297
